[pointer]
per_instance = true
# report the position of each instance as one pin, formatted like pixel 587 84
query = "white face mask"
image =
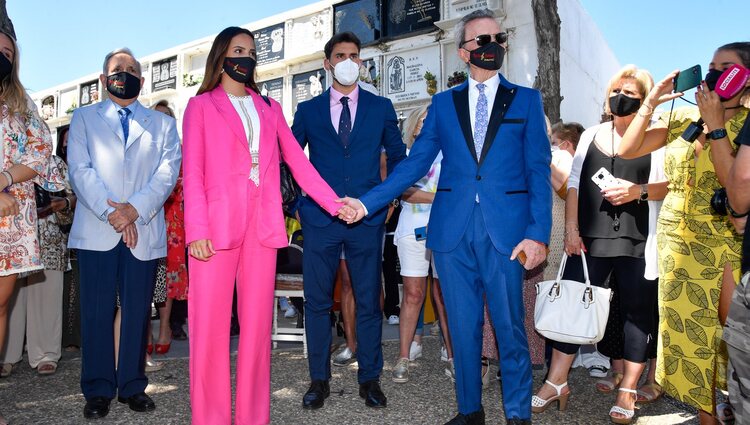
pixel 346 72
pixel 554 148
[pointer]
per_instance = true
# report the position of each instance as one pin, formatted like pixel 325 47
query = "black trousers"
pixel 637 300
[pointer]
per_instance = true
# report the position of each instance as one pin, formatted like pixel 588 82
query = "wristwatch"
pixel 717 134
pixel 644 193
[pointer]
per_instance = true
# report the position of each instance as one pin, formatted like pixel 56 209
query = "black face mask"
pixel 240 69
pixel 5 67
pixel 123 85
pixel 712 77
pixel 490 56
pixel 622 106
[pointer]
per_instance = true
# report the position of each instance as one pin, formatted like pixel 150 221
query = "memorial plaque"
pixel 89 93
pixel 48 108
pixel 458 8
pixel 362 17
pixel 407 16
pixel 403 79
pixel 274 89
pixel 307 85
pixel 164 74
pixel 269 44
pixel 308 34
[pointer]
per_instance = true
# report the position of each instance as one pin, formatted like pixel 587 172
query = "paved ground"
pixel 26 398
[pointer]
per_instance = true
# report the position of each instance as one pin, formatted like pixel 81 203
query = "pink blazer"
pixel 216 166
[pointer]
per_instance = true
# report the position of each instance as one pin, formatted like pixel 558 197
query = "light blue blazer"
pixel 142 171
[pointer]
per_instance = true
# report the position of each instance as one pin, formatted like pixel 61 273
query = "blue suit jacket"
pixel 512 178
pixel 354 170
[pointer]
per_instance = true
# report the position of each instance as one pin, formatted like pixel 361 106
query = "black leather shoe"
pixel 96 407
pixel 516 421
pixel 178 334
pixel 316 396
pixel 474 418
pixel 373 395
pixel 139 402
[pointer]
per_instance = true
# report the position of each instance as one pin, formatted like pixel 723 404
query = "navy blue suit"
pixel 472 240
pixel 350 170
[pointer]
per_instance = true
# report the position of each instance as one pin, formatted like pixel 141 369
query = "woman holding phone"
pixel 699 250
pixel 234 140
pixel 606 216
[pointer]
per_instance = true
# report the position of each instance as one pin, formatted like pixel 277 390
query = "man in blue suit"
pixel 493 202
pixel 124 160
pixel 346 129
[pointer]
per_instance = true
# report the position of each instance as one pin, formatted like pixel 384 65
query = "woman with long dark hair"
pixel 233 141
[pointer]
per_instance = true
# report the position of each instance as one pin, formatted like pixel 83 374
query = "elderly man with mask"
pixel 492 208
pixel 124 160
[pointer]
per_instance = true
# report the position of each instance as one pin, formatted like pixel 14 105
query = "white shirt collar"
pixel 491 84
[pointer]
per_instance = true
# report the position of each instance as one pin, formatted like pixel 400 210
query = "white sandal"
pixel 625 412
pixel 539 405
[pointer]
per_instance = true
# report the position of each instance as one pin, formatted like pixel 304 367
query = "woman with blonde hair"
pixel 610 224
pixel 25 150
pixel 413 255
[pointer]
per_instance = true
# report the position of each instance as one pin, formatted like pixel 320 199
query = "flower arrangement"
pixel 72 108
pixel 457 78
pixel 431 82
pixel 190 80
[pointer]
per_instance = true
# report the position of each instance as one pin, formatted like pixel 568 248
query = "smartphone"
pixel 604 179
pixel 688 79
pixel 420 233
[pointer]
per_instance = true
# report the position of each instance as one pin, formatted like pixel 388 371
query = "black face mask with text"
pixel 5 67
pixel 240 69
pixel 489 57
pixel 123 85
pixel 622 105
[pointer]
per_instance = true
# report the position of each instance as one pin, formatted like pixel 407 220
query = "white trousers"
pixel 36 313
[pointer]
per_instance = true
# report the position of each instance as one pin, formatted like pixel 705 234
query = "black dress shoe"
pixel 316 396
pixel 96 407
pixel 373 395
pixel 474 418
pixel 139 402
pixel 516 421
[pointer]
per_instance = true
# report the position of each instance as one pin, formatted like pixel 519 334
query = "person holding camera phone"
pixel 607 217
pixel 699 250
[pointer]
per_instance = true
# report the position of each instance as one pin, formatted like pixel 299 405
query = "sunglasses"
pixel 483 39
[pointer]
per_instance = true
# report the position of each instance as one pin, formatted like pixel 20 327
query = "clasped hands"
pixel 123 220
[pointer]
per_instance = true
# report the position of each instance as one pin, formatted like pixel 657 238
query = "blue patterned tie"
pixel 345 122
pixel 124 113
pixel 481 121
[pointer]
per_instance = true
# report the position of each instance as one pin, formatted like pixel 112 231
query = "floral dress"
pixel 174 213
pixel 26 140
pixel 693 244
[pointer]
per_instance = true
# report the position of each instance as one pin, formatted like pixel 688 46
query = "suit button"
pixel 346 179
pixel 479 177
pixel 347 156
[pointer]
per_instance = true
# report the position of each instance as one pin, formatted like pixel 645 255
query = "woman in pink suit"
pixel 233 142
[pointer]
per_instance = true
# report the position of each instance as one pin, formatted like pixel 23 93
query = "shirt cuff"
pixel 363 207
pixel 106 213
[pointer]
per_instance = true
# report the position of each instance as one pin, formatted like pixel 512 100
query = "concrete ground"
pixel 428 398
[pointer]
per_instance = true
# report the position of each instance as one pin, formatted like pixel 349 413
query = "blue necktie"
pixel 345 122
pixel 481 121
pixel 124 113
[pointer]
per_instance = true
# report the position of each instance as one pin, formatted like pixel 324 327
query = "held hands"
pixel 534 251
pixel 352 211
pixel 123 215
pixel 202 249
pixel 130 235
pixel 623 193
pixel 738 223
pixel 8 205
pixel 709 104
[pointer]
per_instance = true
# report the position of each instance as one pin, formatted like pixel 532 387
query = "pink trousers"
pixel 253 266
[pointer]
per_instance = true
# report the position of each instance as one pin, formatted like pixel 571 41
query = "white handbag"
pixel 570 311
